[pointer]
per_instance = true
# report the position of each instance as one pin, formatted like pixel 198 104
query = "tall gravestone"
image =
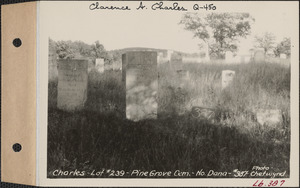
pixel 169 54
pixel 141 81
pixel 72 84
pixel 99 65
pixel 227 77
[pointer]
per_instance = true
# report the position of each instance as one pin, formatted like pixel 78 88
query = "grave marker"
pixel 141 81
pixel 227 77
pixel 282 56
pixel 72 84
pixel 269 117
pixel 169 54
pixel 100 65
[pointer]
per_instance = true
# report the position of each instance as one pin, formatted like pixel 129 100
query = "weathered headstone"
pixel 160 57
pixel 282 56
pixel 169 54
pixel 227 77
pixel 72 84
pixel 269 117
pixel 141 81
pixel 99 65
pixel 259 56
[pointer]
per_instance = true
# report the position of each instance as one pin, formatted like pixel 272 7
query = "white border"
pixel 42 101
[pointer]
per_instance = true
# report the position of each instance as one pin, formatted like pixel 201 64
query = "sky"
pixel 154 29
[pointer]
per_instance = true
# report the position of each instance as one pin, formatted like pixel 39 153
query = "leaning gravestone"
pixel 72 84
pixel 141 81
pixel 259 56
pixel 227 77
pixel 100 65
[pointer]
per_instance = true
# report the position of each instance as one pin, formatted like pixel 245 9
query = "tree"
pixel 64 50
pixel 284 47
pixel 221 30
pixel 98 50
pixel 266 41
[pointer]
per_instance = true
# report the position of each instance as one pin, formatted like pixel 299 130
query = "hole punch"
pixel 17 42
pixel 17 147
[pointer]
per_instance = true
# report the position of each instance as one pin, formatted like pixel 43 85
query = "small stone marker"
pixel 282 56
pixel 72 84
pixel 259 56
pixel 269 117
pixel 169 54
pixel 141 79
pixel 99 65
pixel 160 57
pixel 227 77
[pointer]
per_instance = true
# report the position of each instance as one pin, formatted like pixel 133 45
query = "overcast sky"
pixel 155 29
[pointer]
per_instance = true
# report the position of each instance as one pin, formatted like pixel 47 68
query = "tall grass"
pixel 100 137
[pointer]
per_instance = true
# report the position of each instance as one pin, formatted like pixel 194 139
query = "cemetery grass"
pixel 99 137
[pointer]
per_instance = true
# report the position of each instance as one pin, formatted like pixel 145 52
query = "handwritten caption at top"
pixel 175 6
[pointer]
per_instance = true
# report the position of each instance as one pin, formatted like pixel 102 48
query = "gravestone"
pixel 169 54
pixel 270 117
pixel 227 78
pixel 141 80
pixel 160 57
pixel 72 84
pixel 99 65
pixel 282 56
pixel 259 56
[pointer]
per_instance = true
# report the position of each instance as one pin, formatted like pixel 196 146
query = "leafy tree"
pixel 64 50
pixel 98 50
pixel 266 41
pixel 284 47
pixel 220 30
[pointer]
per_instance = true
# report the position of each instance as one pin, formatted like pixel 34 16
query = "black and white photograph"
pixel 170 90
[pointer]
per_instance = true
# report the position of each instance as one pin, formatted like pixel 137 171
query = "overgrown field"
pixel 100 137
